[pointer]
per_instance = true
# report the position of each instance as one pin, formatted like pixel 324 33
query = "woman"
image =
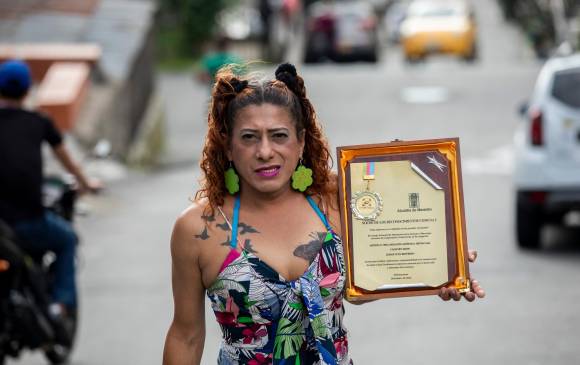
pixel 260 238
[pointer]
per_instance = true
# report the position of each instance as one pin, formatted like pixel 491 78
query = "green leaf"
pixel 319 327
pixel 249 303
pixel 289 339
pixel 245 320
pixel 324 292
pixel 328 237
pixel 227 284
pixel 297 306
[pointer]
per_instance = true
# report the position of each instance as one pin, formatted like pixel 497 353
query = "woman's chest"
pixel 252 280
pixel 286 246
pixel 289 251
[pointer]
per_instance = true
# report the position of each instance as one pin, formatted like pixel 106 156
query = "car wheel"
pixel 529 221
pixel 472 55
pixel 413 59
pixel 310 57
pixel 372 57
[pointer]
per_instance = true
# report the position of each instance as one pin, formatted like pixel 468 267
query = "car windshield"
pixel 566 86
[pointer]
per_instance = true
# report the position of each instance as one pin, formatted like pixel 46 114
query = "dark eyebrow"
pixel 274 130
pixel 246 130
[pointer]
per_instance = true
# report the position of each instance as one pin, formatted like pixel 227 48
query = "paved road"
pixel 531 313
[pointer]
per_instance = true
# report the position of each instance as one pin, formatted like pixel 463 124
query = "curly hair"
pixel 230 94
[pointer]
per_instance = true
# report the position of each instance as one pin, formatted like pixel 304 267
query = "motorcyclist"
pixel 22 134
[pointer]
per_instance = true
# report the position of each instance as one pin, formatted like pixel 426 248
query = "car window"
pixel 566 86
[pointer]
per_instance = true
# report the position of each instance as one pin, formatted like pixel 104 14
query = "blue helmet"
pixel 15 79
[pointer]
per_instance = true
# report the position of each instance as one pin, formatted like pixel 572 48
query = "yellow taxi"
pixel 439 26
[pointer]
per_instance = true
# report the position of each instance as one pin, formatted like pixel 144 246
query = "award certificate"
pixel 402 218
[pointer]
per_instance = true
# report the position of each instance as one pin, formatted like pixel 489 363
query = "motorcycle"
pixel 25 287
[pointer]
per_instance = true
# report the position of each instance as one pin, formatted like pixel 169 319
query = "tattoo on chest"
pixel 308 251
pixel 248 246
pixel 224 226
pixel 243 229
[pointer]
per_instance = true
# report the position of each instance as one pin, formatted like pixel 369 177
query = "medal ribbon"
pixel 369 171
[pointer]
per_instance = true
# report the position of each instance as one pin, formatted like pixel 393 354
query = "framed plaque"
pixel 403 223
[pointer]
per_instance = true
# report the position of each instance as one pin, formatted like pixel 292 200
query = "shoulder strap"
pixel 225 218
pixel 236 215
pixel 318 212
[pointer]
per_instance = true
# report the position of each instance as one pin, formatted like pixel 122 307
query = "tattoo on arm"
pixel 308 251
pixel 208 218
pixel 203 235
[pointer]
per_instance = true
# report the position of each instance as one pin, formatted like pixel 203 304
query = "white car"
pixel 547 151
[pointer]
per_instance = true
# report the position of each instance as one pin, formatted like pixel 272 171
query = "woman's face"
pixel 265 148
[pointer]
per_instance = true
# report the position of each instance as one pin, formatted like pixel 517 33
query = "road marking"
pixel 424 94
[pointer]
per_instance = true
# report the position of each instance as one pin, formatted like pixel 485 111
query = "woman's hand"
pixel 475 292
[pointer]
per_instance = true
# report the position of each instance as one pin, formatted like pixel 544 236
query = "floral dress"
pixel 266 319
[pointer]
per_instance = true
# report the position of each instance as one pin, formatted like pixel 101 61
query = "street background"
pixel 530 314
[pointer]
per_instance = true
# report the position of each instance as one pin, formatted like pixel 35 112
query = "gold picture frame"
pixel 402 218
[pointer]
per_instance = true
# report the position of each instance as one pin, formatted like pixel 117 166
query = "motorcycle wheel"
pixel 60 353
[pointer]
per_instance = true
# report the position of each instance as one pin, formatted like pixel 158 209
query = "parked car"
pixel 341 30
pixel 439 26
pixel 547 151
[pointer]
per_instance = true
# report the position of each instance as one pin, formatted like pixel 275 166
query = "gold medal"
pixel 367 205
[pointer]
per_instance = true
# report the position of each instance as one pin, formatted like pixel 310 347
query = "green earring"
pixel 232 180
pixel 302 177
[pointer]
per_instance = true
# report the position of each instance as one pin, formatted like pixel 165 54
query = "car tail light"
pixel 323 23
pixel 538 197
pixel 4 265
pixel 537 133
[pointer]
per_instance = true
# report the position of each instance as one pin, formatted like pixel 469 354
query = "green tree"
pixel 185 24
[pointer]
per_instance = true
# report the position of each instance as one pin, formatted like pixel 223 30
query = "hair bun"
pixel 286 67
pixel 239 85
pixel 286 73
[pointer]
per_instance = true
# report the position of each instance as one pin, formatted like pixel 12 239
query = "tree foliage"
pixel 188 23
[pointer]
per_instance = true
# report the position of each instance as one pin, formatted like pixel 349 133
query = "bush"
pixel 184 25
